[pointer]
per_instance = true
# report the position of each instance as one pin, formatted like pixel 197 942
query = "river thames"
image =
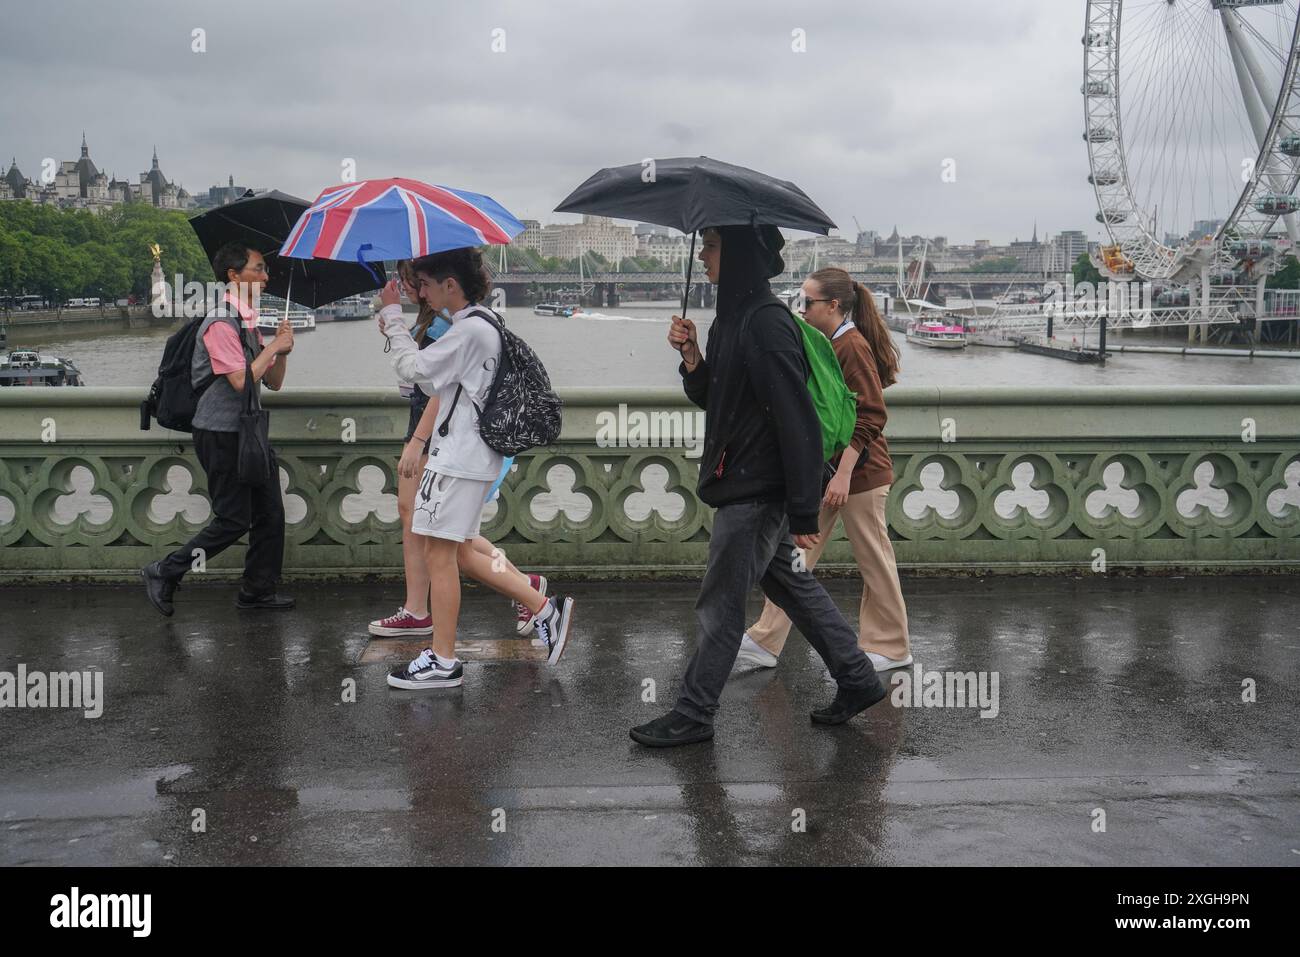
pixel 628 349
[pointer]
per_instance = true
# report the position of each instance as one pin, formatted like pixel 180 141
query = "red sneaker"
pixel 524 617
pixel 402 625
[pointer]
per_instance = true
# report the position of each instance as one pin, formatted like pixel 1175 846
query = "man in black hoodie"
pixel 761 470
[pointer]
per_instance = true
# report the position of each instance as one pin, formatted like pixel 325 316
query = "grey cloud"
pixel 286 91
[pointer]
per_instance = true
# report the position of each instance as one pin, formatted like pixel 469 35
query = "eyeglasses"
pixel 803 306
pixel 263 268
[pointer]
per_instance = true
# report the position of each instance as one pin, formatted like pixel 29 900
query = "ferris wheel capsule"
pixel 1095 88
pixel 1250 248
pixel 1099 134
pixel 1290 145
pixel 1277 204
pixel 1103 178
pixel 1111 216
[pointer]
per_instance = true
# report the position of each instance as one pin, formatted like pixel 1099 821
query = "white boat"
pixel 300 319
pixel 23 367
pixel 555 310
pixel 272 309
pixel 936 335
pixel 345 310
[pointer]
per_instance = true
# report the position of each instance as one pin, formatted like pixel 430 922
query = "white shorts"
pixel 448 507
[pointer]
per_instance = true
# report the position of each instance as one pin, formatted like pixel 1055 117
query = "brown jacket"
pixel 874 468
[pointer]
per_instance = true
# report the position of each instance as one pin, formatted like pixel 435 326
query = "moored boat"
pixel 29 367
pixel 300 319
pixel 936 335
pixel 350 309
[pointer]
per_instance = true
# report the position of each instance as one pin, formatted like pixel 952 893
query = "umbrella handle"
pixel 690 261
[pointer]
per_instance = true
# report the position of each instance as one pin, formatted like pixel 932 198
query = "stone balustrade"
pixel 986 480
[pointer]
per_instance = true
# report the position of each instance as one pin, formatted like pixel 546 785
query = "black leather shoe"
pixel 159 588
pixel 672 729
pixel 270 602
pixel 848 703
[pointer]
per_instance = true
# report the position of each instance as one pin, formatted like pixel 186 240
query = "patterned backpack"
pixel 522 411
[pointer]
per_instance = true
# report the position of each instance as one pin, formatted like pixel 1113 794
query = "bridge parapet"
pixel 988 480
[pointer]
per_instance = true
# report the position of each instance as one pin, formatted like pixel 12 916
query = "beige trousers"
pixel 882 615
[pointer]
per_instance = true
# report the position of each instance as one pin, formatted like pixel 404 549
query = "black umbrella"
pixel 264 221
pixel 690 193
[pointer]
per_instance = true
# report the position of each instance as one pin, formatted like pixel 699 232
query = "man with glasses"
pixel 228 343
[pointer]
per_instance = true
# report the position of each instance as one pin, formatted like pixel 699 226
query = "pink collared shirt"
pixel 223 345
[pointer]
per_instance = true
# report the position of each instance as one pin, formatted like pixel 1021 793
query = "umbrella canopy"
pixel 690 193
pixel 263 221
pixel 397 219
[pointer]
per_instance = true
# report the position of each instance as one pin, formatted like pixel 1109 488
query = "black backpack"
pixel 173 399
pixel 522 411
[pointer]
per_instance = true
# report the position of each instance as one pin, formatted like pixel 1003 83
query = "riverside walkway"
pixel 1122 696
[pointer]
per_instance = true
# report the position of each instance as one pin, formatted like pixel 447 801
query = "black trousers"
pixel 236 508
pixel 751 544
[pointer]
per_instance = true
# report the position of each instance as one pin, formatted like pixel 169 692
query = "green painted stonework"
pixel 986 480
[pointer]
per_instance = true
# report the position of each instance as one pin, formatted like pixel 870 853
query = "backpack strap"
pixel 489 316
pixel 446 423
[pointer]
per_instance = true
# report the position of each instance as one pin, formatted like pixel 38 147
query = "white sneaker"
pixel 553 627
pixel 752 653
pixel 887 664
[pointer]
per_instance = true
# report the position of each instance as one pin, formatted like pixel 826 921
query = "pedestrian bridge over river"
pixel 1162 707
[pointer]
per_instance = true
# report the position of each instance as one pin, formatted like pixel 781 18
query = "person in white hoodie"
pixel 458 369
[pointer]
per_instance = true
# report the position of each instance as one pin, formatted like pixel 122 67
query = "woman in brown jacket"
pixel 845 312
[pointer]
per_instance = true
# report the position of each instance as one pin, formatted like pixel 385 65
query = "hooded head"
pixel 750 255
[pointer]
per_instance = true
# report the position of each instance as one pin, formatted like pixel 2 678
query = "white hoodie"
pixel 466 355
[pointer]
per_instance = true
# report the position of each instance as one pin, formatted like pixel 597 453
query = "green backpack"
pixel 836 406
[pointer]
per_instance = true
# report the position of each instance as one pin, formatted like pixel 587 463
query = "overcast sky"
pixel 863 120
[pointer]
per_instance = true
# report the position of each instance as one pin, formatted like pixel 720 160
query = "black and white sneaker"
pixel 553 626
pixel 425 672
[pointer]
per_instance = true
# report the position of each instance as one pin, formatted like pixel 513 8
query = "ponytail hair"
pixel 857 302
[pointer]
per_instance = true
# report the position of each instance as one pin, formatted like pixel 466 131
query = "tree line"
pixel 60 254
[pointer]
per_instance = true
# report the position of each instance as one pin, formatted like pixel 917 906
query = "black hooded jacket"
pixel 762 437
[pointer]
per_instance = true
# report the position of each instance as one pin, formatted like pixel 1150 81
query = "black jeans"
pixel 750 545
pixel 236 508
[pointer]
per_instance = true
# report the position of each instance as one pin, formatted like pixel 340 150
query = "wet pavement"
pixel 225 737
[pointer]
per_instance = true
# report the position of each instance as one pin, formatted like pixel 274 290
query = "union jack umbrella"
pixel 384 219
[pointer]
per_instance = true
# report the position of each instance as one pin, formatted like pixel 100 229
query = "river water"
pixel 629 349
